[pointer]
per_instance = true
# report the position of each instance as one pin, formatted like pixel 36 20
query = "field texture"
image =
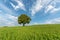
pixel 35 32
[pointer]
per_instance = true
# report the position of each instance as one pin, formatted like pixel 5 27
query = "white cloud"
pixel 38 5
pixel 20 5
pixel 52 8
pixel 13 20
pixel 11 17
pixel 57 0
pixel 8 20
pixel 48 8
pixel 55 10
pixel 6 17
pixel 53 21
pixel 5 9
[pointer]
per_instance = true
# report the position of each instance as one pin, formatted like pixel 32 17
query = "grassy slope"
pixel 36 32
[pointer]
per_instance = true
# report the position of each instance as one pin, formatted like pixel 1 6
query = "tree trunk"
pixel 23 24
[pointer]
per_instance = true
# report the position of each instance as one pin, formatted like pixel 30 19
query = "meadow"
pixel 34 32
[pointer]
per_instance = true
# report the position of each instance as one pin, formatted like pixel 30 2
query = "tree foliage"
pixel 23 19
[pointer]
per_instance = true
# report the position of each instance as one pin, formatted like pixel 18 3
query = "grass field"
pixel 35 32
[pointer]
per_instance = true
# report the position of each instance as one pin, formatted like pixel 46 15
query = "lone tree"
pixel 23 19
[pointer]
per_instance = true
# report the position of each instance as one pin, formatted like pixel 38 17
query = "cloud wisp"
pixel 53 21
pixel 49 6
pixel 19 6
pixel 6 18
pixel 38 5
pixel 52 7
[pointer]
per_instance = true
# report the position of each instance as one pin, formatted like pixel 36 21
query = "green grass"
pixel 34 32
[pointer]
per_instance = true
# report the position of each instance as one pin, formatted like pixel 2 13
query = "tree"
pixel 23 19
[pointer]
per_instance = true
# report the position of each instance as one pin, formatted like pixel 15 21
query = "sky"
pixel 40 11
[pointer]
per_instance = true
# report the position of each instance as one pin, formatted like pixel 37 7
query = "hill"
pixel 34 32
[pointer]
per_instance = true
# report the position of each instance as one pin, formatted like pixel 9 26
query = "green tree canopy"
pixel 23 19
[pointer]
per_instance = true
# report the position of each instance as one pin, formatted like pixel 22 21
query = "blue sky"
pixel 40 11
